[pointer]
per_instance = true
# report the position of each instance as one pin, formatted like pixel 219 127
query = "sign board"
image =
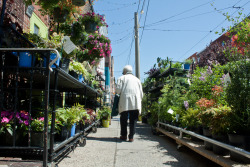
pixel 68 45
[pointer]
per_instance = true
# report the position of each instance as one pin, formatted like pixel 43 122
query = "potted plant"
pixel 187 64
pixel 98 46
pixel 92 21
pixel 77 70
pixel 37 127
pixel 105 116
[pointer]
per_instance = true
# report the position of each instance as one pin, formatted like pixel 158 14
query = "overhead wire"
pixel 210 32
pixel 108 10
pixel 188 17
pixel 179 14
pixel 133 37
pixel 122 22
pixel 118 3
pixel 144 22
pixel 175 30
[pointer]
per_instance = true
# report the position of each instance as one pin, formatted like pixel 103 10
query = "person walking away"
pixel 130 90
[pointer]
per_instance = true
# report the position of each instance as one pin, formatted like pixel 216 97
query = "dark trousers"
pixel 132 115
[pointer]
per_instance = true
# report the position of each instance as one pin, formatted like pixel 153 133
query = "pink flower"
pixel 41 119
pixel 26 122
pixel 5 120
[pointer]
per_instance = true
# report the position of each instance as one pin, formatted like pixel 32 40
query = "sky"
pixel 167 28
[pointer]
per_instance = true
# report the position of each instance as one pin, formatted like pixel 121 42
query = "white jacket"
pixel 130 90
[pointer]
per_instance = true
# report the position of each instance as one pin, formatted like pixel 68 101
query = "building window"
pixel 36 29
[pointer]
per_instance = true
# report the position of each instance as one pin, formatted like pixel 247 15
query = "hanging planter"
pixel 78 2
pixel 60 15
pixel 92 21
pixel 90 27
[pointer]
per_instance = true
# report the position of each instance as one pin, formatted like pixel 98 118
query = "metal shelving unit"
pixel 18 85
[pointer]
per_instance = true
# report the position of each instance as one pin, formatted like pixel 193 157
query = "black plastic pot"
pixel 63 135
pixel 239 141
pixel 37 139
pixel 197 130
pixel 64 64
pixel 217 149
pixel 73 74
pixel 207 133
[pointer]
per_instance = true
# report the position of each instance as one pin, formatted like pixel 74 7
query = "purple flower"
pixel 186 105
pixel 209 62
pixel 209 70
pixel 26 122
pixel 202 78
pixel 5 113
pixel 20 121
pixel 5 120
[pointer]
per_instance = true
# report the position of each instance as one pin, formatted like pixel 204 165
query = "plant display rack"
pixel 184 137
pixel 17 87
pixel 198 146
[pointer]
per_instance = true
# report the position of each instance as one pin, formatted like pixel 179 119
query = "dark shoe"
pixel 124 138
pixel 131 140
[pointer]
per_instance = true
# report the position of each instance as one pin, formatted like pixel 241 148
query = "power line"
pixel 122 52
pixel 123 37
pixel 122 31
pixel 179 14
pixel 118 3
pixel 122 22
pixel 176 30
pixel 108 10
pixel 187 17
pixel 144 21
pixel 130 49
pixel 209 33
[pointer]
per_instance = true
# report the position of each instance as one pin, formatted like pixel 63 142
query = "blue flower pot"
pixel 25 59
pixel 52 57
pixel 80 78
pixel 186 66
pixel 73 130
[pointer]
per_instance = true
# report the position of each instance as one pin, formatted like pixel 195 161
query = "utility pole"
pixel 137 53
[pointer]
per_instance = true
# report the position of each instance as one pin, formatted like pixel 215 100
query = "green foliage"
pixel 153 110
pixel 189 118
pixel 105 113
pixel 69 116
pixel 78 68
pixel 188 61
pixel 204 79
pixel 176 65
pixel 220 119
pixel 238 96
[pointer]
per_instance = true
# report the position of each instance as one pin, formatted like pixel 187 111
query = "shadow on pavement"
pixel 105 139
pixel 169 147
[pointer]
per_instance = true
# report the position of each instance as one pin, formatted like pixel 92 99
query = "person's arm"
pixel 118 88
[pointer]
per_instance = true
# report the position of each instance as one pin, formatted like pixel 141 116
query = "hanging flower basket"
pixel 60 15
pixel 90 27
pixel 92 21
pixel 78 2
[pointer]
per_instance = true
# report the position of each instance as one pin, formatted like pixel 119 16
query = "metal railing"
pixel 215 142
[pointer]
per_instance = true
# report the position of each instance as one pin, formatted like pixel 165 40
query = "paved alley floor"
pixel 105 149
